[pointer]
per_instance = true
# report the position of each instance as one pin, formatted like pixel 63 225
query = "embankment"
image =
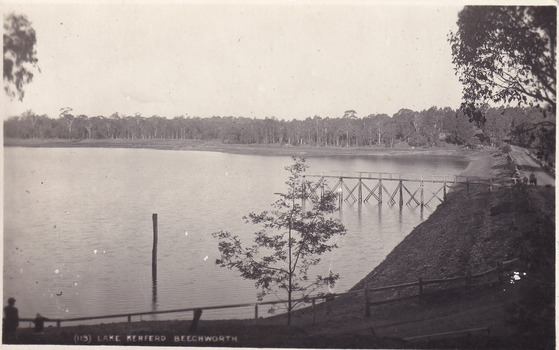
pixel 463 233
pixel 473 231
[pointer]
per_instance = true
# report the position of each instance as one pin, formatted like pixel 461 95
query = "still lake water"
pixel 78 226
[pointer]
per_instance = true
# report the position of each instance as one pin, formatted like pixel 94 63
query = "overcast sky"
pixel 285 59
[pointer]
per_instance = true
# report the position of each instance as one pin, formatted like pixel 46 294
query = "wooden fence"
pixel 468 281
pixel 418 285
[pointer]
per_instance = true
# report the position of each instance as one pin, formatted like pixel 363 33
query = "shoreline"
pixel 248 149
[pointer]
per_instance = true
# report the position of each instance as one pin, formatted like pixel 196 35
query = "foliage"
pixel 460 131
pixel 505 148
pixel 506 53
pixel 19 54
pixel 291 241
pixel 528 127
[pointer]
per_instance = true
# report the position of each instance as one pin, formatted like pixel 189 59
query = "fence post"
pixel 367 301
pixel 57 323
pixel 420 284
pixel 195 319
pixel 255 313
pixel 313 311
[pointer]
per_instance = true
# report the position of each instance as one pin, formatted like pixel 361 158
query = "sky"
pixel 284 59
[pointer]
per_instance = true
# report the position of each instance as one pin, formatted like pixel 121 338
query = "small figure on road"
pixel 516 179
pixel 39 322
pixel 533 180
pixel 11 322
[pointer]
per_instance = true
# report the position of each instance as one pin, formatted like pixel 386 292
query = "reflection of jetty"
pixel 360 187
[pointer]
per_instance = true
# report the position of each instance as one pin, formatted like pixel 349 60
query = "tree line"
pixel 526 126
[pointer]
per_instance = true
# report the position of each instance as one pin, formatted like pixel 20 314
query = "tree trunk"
pixel 289 289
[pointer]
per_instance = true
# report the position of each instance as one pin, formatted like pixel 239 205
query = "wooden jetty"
pixel 415 189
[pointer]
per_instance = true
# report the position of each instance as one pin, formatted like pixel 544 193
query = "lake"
pixel 78 226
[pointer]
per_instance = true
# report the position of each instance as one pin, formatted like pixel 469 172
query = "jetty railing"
pixel 419 285
pixel 361 186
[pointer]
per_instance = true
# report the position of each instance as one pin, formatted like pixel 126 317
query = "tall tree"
pixel 32 119
pixel 349 117
pixel 19 54
pixel 290 242
pixel 506 53
pixel 68 118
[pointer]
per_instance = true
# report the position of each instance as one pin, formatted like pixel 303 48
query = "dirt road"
pixel 526 164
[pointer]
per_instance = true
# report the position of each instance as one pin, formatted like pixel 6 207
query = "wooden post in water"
pixel 360 193
pixel 341 193
pixel 154 250
pixel 380 191
pixel 422 191
pixel 444 191
pixel 401 194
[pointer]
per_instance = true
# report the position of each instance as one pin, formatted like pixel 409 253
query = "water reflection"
pixel 154 293
pixel 379 214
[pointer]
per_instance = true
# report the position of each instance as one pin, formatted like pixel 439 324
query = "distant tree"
pixel 291 240
pixel 459 130
pixel 19 54
pixel 84 123
pixel 67 118
pixel 32 119
pixel 497 126
pixel 506 53
pixel 349 117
